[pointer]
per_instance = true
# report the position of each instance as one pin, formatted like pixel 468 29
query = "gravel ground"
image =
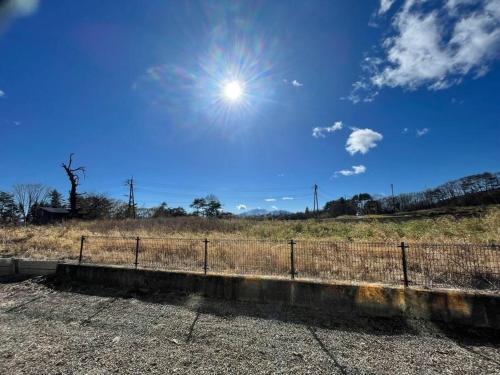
pixel 54 329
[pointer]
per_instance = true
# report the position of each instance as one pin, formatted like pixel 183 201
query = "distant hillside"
pixel 449 198
pixel 263 212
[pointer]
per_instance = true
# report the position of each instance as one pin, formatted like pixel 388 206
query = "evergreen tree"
pixel 55 198
pixel 8 208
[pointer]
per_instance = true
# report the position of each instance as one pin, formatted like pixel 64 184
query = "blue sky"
pixel 351 95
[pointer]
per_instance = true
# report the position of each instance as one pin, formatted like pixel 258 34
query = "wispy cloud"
pixel 2 93
pixel 274 208
pixel 319 132
pixel 432 46
pixel 385 5
pixel 288 198
pixel 405 130
pixel 421 132
pixel 280 175
pixel 12 9
pixel 362 140
pixel 356 169
pixel 270 199
pixel 294 83
pixel 241 207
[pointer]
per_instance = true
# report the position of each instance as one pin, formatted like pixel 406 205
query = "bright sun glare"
pixel 232 91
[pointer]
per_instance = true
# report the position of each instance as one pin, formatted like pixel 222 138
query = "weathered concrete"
pixel 6 266
pixel 10 266
pixel 451 306
pixel 37 267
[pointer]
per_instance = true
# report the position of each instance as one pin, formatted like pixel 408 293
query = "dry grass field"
pixel 62 240
pixel 439 252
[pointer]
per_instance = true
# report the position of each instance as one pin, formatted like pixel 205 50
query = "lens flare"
pixel 230 83
pixel 233 91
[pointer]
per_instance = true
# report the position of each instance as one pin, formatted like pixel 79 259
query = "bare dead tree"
pixel 27 197
pixel 74 179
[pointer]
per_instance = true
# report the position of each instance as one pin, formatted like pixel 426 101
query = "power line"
pixel 268 189
pixel 276 194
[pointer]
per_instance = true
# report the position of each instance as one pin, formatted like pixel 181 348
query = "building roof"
pixel 55 210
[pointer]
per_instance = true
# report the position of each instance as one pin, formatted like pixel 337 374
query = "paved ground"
pixel 50 329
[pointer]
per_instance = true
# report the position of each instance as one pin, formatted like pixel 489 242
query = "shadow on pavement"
pixel 14 278
pixel 230 310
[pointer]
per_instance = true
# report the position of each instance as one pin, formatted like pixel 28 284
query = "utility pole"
pixel 131 201
pixel 393 202
pixel 315 203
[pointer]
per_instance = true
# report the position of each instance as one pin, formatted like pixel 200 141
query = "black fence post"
pixel 136 251
pixel 205 263
pixel 292 259
pixel 403 258
pixel 82 240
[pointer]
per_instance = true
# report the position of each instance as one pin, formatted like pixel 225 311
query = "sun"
pixel 232 91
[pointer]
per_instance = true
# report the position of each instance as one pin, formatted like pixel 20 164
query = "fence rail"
pixel 472 266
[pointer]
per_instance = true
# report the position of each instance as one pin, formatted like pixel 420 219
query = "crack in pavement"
pixel 479 354
pixel 326 351
pixel 23 304
pixel 191 328
pixel 100 309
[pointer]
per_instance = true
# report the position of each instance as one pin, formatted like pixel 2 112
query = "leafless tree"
pixel 74 179
pixel 475 189
pixel 27 197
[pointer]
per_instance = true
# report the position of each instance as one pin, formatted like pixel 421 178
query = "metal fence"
pixel 431 265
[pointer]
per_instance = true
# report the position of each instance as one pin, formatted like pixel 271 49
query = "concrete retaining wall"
pixel 6 266
pixel 451 306
pixel 10 266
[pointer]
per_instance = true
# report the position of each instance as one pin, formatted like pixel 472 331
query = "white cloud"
pixel 434 47
pixel 356 169
pixel 11 9
pixel 385 5
pixel 270 199
pixel 274 208
pixel 288 198
pixel 281 175
pixel 421 132
pixel 362 140
pixel 2 93
pixel 405 130
pixel 241 207
pixel 320 132
pixel 359 169
pixel 294 83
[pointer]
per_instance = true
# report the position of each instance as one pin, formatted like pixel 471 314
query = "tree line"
pixel 478 189
pixel 21 206
pixel 474 190
pixel 24 201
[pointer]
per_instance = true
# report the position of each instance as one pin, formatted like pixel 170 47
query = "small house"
pixel 47 215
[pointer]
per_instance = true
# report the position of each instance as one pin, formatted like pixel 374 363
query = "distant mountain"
pixel 263 212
